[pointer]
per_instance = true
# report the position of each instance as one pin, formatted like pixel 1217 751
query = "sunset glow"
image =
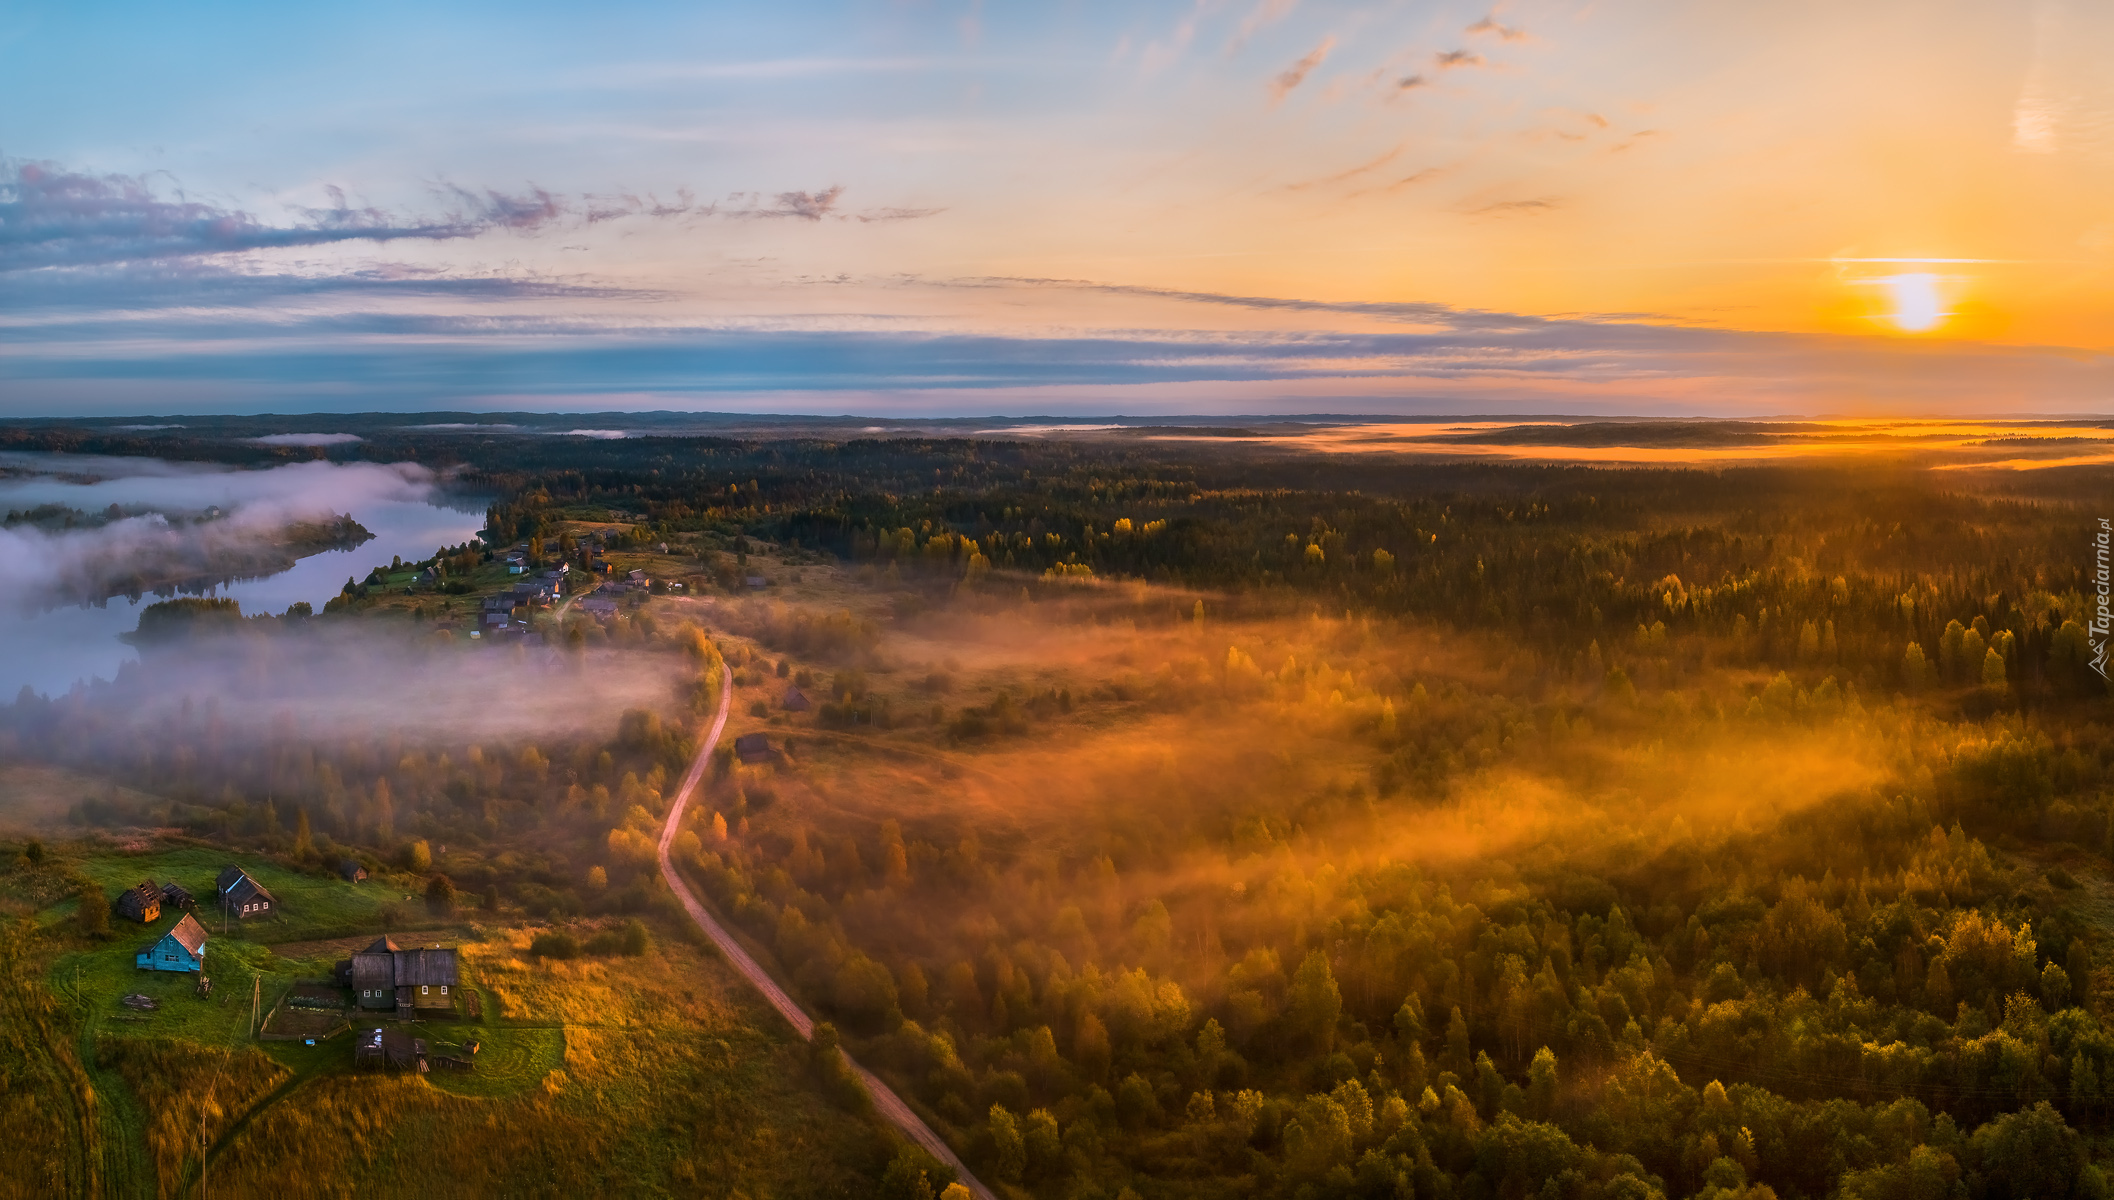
pixel 1160 207
pixel 1917 307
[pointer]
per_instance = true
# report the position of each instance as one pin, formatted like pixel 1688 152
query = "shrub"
pixel 93 912
pixel 556 944
pixel 440 896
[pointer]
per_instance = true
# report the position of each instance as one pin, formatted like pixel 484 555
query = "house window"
pixel 444 989
pixel 423 989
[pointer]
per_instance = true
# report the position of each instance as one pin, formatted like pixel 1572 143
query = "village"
pixel 376 994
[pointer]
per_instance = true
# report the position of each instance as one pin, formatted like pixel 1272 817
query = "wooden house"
pixel 175 895
pixel 183 948
pixel 795 700
pixel 142 903
pixel 387 976
pixel 243 897
pixel 351 871
pixel 753 748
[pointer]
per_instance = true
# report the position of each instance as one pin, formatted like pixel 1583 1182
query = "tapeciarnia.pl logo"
pixel 2103 614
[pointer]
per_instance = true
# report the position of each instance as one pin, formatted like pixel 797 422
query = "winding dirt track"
pixel 885 1100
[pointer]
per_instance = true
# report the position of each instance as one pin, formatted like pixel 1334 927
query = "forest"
pixel 1174 819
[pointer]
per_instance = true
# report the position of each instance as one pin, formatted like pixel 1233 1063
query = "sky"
pixel 953 208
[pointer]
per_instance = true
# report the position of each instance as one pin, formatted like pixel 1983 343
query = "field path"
pixel 885 1099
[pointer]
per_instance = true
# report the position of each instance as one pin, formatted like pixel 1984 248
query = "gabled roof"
pixel 752 747
pixel 228 876
pixel 245 889
pixel 143 898
pixel 190 935
pixel 415 967
pixel 373 970
pixel 383 945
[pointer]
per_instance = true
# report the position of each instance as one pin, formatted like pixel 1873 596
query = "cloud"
pixel 1267 13
pixel 805 206
pixel 1490 25
pixel 1507 208
pixel 1410 81
pixel 1352 173
pixel 1296 74
pixel 898 214
pixel 204 283
pixel 1449 59
pixel 52 217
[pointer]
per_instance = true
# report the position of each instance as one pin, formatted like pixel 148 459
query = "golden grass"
pixel 180 1083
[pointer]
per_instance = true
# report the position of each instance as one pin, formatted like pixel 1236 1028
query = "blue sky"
pixel 904 208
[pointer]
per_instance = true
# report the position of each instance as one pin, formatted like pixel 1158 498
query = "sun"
pixel 1917 307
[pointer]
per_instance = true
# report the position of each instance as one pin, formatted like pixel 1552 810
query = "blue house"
pixel 183 948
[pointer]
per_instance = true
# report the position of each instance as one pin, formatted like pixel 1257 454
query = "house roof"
pixel 190 935
pixel 176 892
pixel 383 965
pixel 795 700
pixel 384 945
pixel 227 877
pixel 373 970
pixel 244 890
pixel 434 966
pixel 350 868
pixel 142 898
pixel 752 746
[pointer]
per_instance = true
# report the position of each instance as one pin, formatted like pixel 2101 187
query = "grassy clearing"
pixel 310 906
pixel 187 1090
pixel 647 1076
pixel 510 1062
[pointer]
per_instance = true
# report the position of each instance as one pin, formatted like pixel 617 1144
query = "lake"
pixel 409 515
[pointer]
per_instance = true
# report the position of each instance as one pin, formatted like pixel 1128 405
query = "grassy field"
pixel 657 1075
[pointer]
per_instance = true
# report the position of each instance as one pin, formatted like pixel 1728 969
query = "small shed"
pixel 756 581
pixel 351 871
pixel 175 895
pixel 391 1048
pixel 753 748
pixel 141 903
pixel 183 948
pixel 795 700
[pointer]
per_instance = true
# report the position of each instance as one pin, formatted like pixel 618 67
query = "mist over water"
pixel 51 648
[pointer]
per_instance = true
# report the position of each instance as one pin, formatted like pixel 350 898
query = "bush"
pixel 440 896
pixel 839 1082
pixel 93 912
pixel 629 940
pixel 555 944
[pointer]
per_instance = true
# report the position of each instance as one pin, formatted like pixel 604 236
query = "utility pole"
pixel 256 994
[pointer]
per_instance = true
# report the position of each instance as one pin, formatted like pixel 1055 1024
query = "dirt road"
pixel 885 1100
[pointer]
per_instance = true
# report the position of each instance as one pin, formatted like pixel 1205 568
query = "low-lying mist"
pixel 332 682
pixel 123 526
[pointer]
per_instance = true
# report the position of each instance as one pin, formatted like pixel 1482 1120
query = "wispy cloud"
pixel 1296 74
pixel 52 217
pixel 1372 164
pixel 803 206
pixel 1264 14
pixel 1449 59
pixel 1514 208
pixel 1491 25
